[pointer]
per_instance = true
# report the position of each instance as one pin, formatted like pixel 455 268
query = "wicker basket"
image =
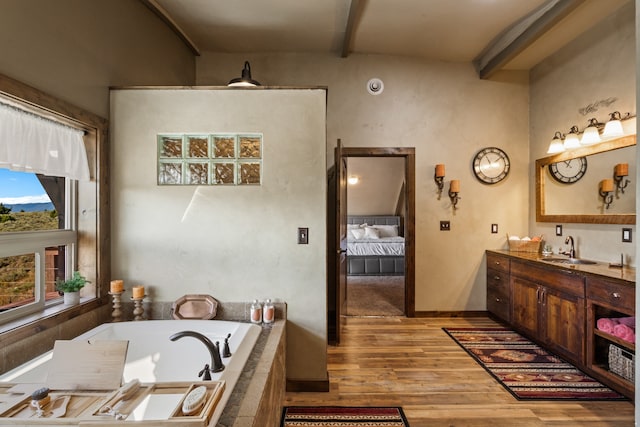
pixel 532 246
pixel 622 362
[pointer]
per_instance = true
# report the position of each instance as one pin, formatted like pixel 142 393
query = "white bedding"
pixel 381 246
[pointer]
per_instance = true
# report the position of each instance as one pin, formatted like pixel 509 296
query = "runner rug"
pixel 527 370
pixel 339 416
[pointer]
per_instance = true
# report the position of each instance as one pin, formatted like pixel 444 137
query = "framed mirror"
pixel 567 184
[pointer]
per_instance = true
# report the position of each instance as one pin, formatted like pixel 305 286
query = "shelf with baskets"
pixel 610 358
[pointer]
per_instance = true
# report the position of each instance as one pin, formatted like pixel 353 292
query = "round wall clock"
pixel 491 165
pixel 568 171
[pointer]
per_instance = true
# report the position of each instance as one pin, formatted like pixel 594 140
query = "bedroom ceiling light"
pixel 438 177
pixel 353 180
pixel 454 191
pixel 246 79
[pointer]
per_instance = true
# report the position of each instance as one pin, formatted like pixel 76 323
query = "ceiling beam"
pixel 521 35
pixel 167 19
pixel 354 14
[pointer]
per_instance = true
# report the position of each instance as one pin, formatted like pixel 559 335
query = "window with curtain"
pixel 41 162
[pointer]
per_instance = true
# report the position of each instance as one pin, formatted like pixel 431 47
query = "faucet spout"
pixel 214 349
pixel 572 249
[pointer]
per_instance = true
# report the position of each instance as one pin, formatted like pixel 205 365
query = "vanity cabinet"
pixel 609 298
pixel 498 288
pixel 548 305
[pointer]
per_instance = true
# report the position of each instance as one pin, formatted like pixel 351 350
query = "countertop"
pixel 602 269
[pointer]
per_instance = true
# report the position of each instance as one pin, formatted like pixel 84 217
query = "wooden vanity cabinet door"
pixel 524 302
pixel 564 324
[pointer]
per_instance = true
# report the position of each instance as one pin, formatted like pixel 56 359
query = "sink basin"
pixel 575 261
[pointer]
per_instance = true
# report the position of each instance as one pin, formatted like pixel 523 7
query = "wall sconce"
pixel 438 177
pixel 621 170
pixel 613 128
pixel 556 145
pixel 591 134
pixel 571 140
pixel 246 79
pixel 454 190
pixel 606 190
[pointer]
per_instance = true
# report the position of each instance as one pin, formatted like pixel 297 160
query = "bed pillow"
pixel 357 233
pixel 387 230
pixel 371 233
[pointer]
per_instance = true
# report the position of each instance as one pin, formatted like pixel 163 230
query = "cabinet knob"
pixel 615 294
pixel 497 299
pixel 497 262
pixel 496 277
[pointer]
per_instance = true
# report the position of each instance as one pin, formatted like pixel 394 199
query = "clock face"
pixel 491 165
pixel 568 171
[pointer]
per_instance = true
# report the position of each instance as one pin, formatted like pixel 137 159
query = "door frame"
pixel 408 153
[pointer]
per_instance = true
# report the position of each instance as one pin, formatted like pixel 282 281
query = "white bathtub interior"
pixel 152 357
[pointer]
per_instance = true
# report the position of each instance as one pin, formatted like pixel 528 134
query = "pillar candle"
pixel 138 292
pixel 439 170
pixel 454 187
pixel 606 185
pixel 117 286
pixel 622 169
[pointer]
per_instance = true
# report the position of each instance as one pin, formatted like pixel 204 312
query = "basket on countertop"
pixel 532 246
pixel 622 362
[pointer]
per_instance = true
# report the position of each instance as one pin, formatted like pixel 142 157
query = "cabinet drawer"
pixel 498 304
pixel 497 262
pixel 619 295
pixel 498 281
pixel 563 280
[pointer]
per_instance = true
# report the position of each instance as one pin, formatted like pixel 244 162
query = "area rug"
pixel 340 416
pixel 525 369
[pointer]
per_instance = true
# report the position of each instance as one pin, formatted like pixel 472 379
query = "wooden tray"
pixel 92 407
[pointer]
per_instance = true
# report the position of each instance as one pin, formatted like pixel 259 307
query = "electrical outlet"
pixel 558 230
pixel 303 236
pixel 445 226
pixel 494 228
pixel 626 235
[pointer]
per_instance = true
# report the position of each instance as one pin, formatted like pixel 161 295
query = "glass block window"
pixel 213 159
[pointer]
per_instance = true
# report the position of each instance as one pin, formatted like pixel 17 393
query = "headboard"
pixel 374 219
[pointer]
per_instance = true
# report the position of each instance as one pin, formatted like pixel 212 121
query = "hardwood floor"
pixel 396 361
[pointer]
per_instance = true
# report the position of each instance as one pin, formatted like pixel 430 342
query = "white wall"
pixel 379 184
pixel 236 243
pixel 601 64
pixel 447 113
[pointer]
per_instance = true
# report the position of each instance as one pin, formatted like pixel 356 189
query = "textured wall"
pixel 599 65
pixel 235 243
pixel 447 114
pixel 76 49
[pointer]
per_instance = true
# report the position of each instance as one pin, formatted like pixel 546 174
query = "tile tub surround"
pixel 259 391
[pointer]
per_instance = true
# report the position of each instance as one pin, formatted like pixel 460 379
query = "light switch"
pixel 303 236
pixel 494 228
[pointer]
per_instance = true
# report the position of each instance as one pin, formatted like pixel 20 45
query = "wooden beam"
pixel 167 19
pixel 521 35
pixel 354 14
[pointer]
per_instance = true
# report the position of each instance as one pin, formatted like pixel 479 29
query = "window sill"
pixel 15 330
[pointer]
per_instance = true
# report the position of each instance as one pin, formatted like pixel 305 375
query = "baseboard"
pixel 308 386
pixel 479 313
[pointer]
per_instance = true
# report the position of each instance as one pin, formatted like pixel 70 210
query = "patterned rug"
pixel 525 369
pixel 338 416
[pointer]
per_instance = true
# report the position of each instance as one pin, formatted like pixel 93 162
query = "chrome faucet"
pixel 214 351
pixel 572 249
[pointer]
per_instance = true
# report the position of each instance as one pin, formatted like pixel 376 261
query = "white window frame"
pixel 36 242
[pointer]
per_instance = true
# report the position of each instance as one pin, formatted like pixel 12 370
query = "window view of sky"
pixel 21 187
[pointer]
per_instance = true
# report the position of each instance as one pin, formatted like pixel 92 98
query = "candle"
pixel 454 187
pixel 117 286
pixel 439 170
pixel 606 185
pixel 622 169
pixel 138 292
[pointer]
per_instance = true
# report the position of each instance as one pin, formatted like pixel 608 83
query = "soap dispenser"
pixel 256 312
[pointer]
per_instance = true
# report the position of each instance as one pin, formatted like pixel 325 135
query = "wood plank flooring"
pixel 396 361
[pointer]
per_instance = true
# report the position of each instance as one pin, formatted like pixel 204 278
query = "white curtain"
pixel 33 144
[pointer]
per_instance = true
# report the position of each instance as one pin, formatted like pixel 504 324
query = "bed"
pixel 375 246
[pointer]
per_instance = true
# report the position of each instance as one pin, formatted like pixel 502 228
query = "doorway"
pixel 337 227
pixel 375 199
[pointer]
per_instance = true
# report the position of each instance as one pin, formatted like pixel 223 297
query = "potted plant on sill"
pixel 71 288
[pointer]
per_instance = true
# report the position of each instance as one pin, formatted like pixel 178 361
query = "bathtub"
pixel 152 357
